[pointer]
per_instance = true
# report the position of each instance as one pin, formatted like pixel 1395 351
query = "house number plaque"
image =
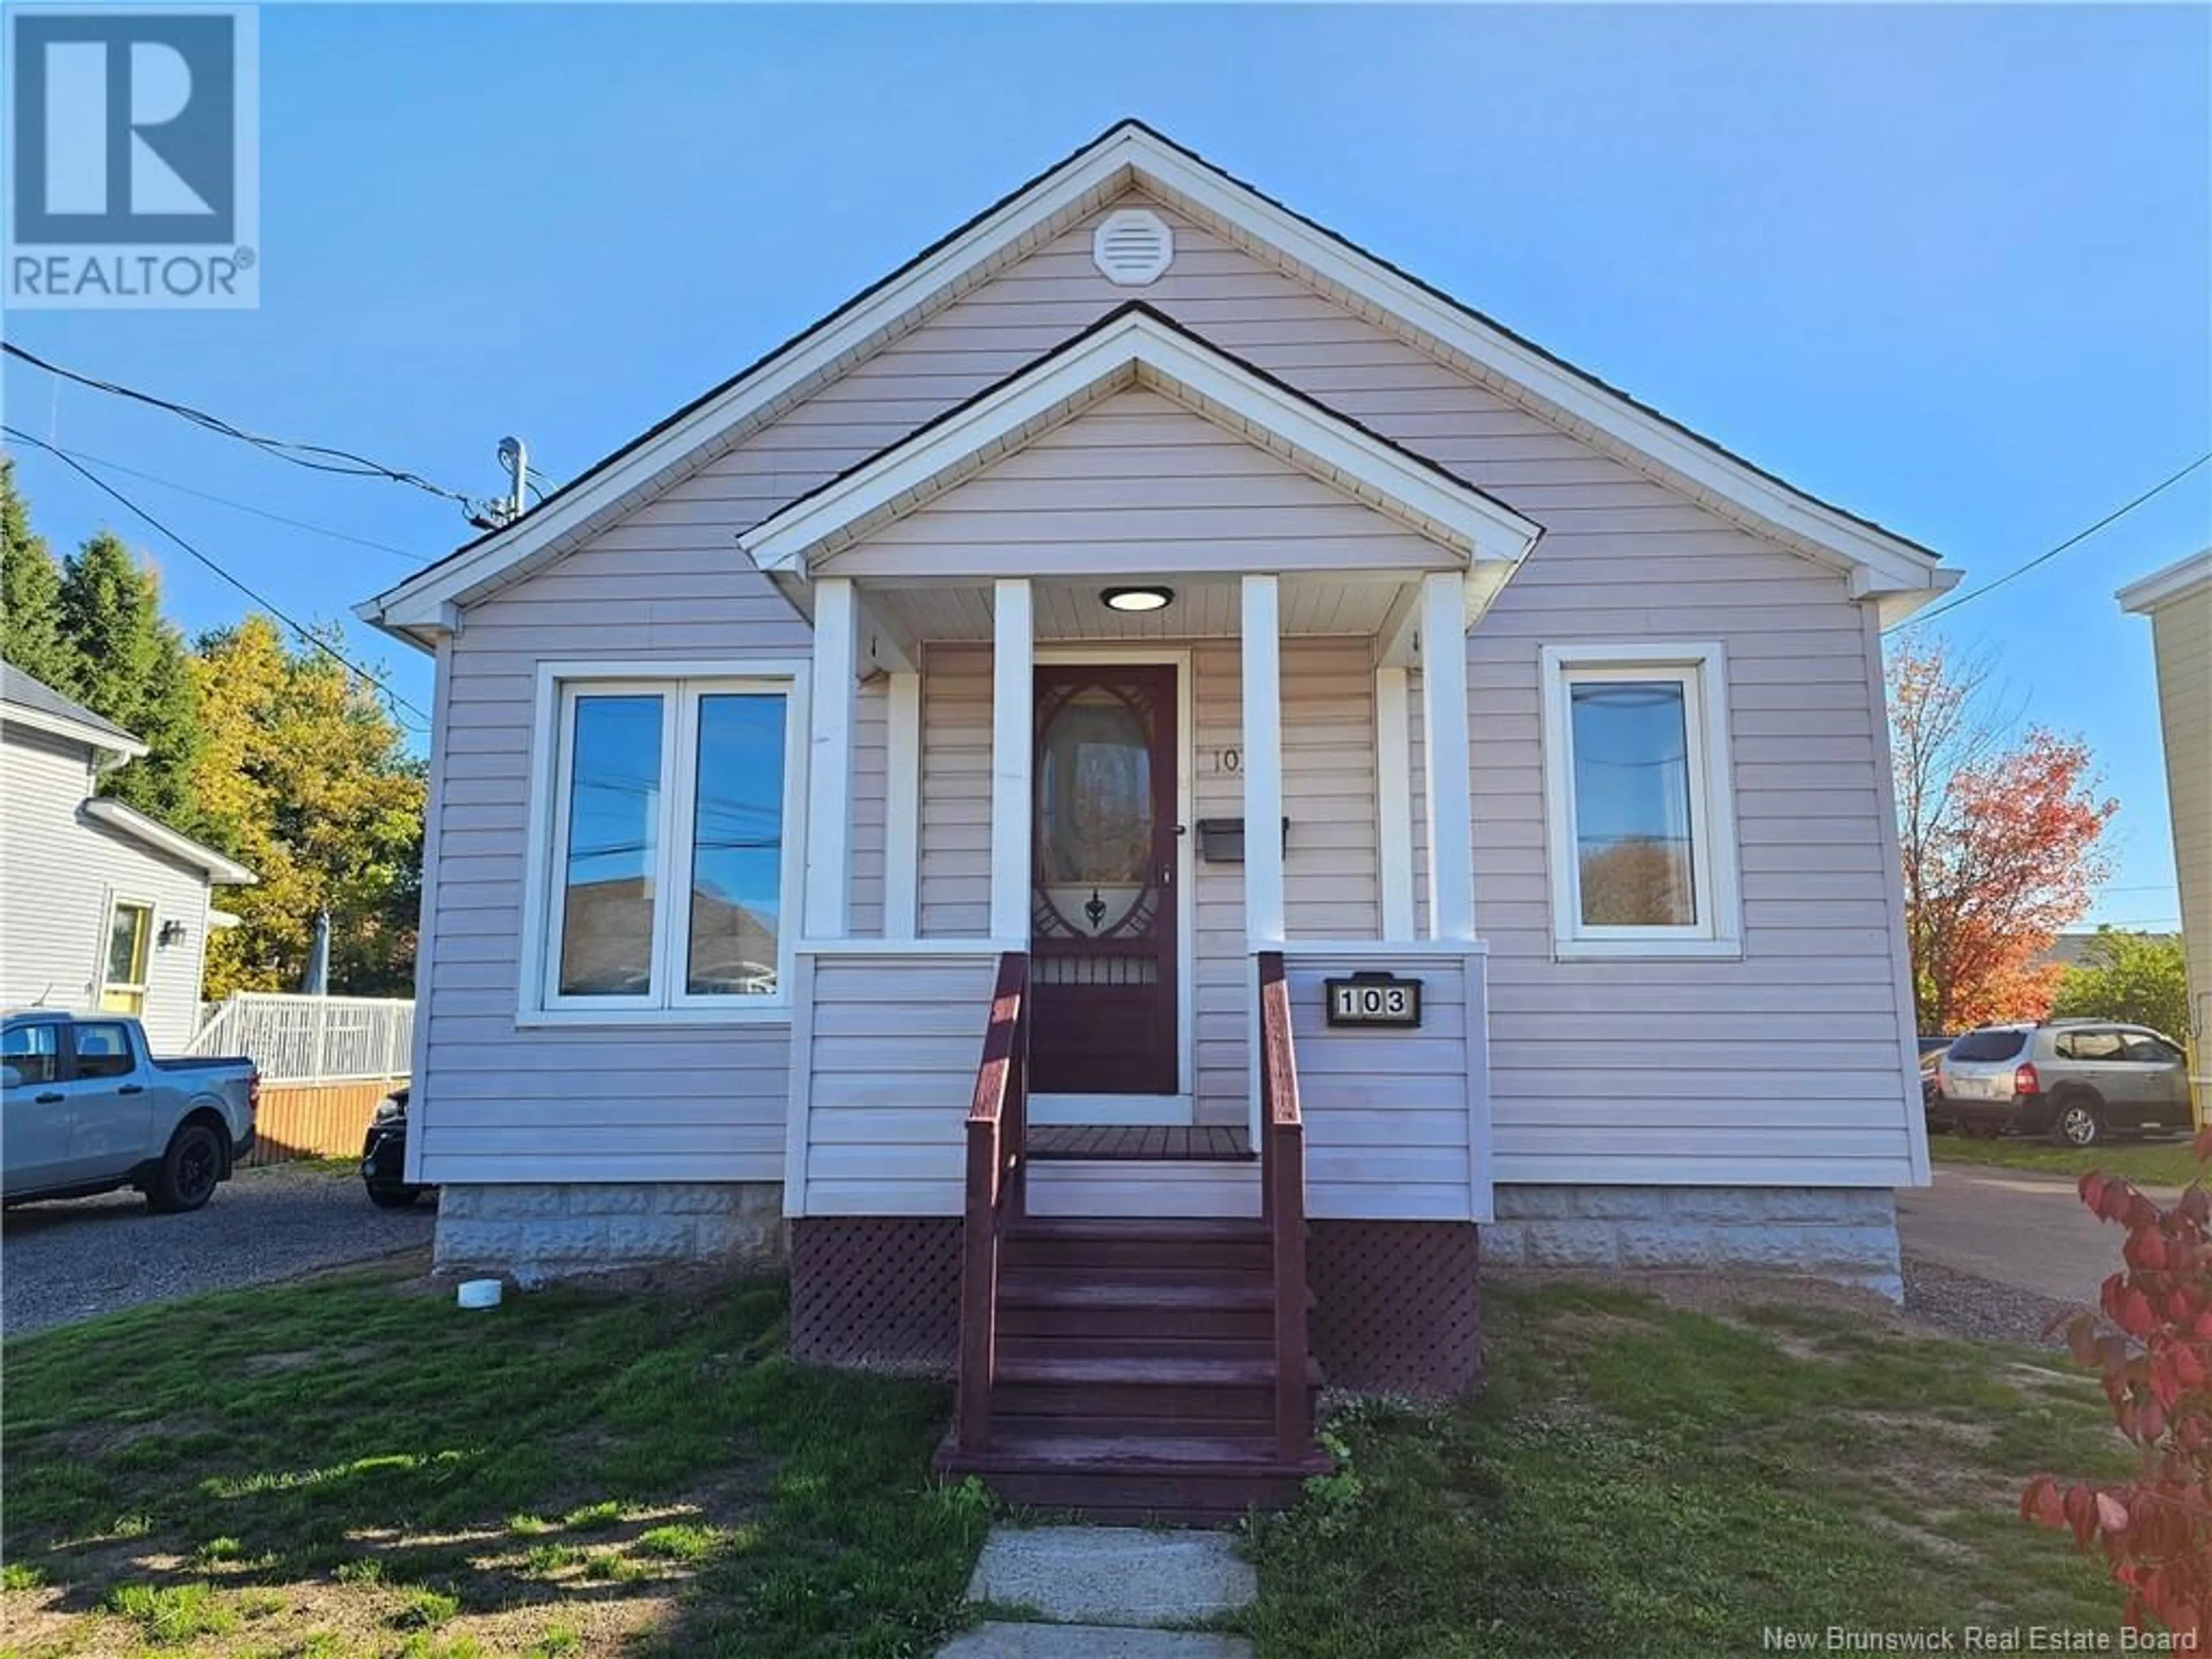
pixel 1373 1000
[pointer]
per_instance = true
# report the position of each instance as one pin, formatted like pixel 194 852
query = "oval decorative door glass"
pixel 1094 813
pixel 1101 927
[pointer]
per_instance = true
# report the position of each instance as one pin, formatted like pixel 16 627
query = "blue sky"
pixel 1945 267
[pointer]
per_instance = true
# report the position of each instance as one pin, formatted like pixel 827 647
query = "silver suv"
pixel 2075 1080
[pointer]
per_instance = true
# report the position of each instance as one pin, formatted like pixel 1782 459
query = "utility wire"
pixel 305 633
pixel 321 458
pixel 241 507
pixel 2079 536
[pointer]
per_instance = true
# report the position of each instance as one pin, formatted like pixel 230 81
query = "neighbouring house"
pixel 101 906
pixel 1147 760
pixel 2178 602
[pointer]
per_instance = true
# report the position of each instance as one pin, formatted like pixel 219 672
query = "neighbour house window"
pixel 1637 804
pixel 129 940
pixel 667 868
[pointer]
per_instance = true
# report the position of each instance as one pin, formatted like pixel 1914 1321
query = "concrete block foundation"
pixel 542 1232
pixel 1847 1235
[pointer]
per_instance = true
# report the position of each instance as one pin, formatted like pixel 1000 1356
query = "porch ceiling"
pixel 1204 608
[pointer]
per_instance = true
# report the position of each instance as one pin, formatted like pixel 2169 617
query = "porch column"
pixel 1013 651
pixel 1261 649
pixel 829 760
pixel 1449 772
pixel 901 802
pixel 1394 799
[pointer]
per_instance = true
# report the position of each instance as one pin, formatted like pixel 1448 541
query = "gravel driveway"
pixel 66 1262
pixel 1998 1253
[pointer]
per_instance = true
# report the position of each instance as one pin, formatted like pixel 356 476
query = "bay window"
pixel 1640 821
pixel 667 867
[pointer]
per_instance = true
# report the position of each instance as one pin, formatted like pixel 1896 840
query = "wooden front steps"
pixel 1135 1372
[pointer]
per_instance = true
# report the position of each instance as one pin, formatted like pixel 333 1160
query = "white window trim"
pixel 680 684
pixel 1702 669
pixel 121 902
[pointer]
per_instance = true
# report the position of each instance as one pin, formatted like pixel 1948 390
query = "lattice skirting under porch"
pixel 881 1292
pixel 1397 1306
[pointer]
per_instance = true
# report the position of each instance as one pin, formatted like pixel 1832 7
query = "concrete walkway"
pixel 2030 1231
pixel 1106 1593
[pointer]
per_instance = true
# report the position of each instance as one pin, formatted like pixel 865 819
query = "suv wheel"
pixel 190 1170
pixel 2078 1122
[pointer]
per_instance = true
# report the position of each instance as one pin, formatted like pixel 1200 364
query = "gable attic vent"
pixel 1132 249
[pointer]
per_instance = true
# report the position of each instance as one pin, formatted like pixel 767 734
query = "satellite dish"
pixel 510 450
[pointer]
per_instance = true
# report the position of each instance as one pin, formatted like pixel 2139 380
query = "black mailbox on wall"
pixel 1221 840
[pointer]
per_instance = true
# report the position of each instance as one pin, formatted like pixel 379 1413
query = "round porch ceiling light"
pixel 1137 599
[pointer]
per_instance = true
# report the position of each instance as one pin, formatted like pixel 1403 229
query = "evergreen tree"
pixel 131 670
pixel 31 633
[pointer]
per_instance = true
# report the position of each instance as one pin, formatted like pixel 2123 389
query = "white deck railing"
pixel 296 1038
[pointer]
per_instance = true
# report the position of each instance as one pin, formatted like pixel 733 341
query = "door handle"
pixel 132 1089
pixel 47 1099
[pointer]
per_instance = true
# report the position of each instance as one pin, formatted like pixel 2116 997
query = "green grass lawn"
pixel 354 1467
pixel 2159 1167
pixel 1640 1480
pixel 357 1467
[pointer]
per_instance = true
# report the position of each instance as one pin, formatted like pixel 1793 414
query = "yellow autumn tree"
pixel 306 778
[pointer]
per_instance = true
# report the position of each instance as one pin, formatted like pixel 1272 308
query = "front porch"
pixel 1143 1288
pixel 941 795
pixel 1138 743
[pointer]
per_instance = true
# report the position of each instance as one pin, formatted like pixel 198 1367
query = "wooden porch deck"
pixel 1199 1144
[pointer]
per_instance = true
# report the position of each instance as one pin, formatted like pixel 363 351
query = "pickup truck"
pixel 88 1109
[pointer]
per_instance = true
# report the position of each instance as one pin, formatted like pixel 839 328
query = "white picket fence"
pixel 295 1038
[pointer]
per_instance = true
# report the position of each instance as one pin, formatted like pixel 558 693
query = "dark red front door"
pixel 1103 910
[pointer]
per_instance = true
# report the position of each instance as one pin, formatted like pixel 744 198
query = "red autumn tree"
pixel 2155 1530
pixel 1999 839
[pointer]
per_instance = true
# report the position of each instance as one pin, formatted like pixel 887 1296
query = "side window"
pixel 100 1051
pixel 2150 1050
pixel 2092 1045
pixel 31 1054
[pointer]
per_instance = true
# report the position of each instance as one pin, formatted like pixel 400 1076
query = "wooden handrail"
pixel 998 1133
pixel 1283 1203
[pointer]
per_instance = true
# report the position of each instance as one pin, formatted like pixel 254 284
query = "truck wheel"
pixel 189 1171
pixel 2077 1121
pixel 394 1198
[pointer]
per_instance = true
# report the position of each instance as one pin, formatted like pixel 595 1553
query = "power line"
pixel 320 458
pixel 2115 514
pixel 241 507
pixel 305 633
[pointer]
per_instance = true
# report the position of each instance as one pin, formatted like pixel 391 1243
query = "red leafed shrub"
pixel 2156 1529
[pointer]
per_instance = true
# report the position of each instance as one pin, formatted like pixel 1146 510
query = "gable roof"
pixel 1879 562
pixel 33 704
pixel 1135 343
pixel 2192 576
pixel 222 872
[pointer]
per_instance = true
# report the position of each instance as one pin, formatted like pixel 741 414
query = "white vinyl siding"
pixel 2181 632
pixel 891 1045
pixel 1634 1071
pixel 1393 1118
pixel 499 1102
pixel 61 874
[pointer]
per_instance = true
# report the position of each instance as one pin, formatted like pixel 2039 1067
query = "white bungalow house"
pixel 1386 793
pixel 101 906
